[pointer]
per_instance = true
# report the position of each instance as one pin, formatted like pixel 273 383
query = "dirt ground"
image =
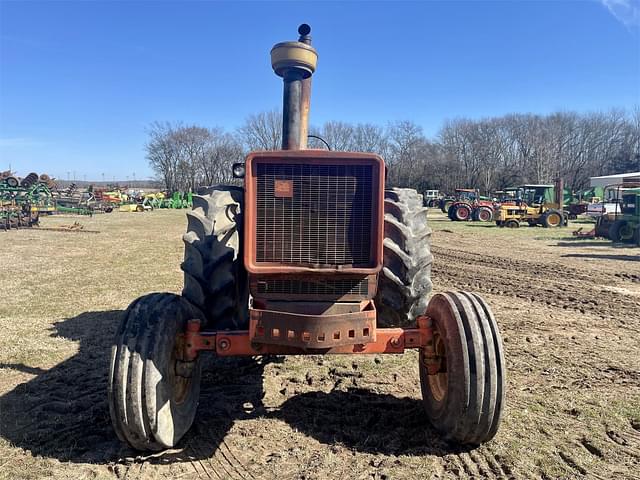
pixel 569 312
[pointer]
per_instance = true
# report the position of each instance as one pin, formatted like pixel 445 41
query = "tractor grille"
pixel 322 218
pixel 339 288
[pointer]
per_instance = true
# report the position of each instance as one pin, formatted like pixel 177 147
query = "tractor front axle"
pixel 241 343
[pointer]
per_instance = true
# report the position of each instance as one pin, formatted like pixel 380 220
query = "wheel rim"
pixel 484 215
pixel 439 382
pixel 553 220
pixel 626 232
pixel 462 213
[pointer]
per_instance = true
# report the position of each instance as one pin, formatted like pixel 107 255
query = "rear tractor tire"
pixel 621 231
pixel 462 213
pixel 464 395
pixel 552 219
pixel 214 276
pixel 405 281
pixel 451 212
pixel 153 396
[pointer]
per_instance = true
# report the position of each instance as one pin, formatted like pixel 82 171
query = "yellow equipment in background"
pixel 133 207
pixel 536 205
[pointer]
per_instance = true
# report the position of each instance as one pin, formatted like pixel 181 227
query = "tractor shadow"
pixel 601 256
pixel 588 242
pixel 62 413
pixel 366 421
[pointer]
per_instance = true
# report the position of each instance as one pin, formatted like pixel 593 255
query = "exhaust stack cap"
pixel 299 57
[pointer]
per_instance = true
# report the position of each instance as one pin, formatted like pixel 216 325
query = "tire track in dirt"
pixel 494 465
pixel 531 265
pixel 216 463
pixel 481 465
pixel 217 456
pixel 624 442
pixel 571 463
pixel 530 281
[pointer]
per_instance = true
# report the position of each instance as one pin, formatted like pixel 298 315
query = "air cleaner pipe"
pixel 295 62
pixel 291 111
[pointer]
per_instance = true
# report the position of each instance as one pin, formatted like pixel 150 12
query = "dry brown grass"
pixel 570 313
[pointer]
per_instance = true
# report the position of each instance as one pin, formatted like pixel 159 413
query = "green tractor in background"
pixel 163 200
pixel 625 225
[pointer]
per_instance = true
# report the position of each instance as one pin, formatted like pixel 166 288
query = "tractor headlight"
pixel 238 170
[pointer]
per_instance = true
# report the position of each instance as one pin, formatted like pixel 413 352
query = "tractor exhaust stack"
pixel 295 62
pixel 559 192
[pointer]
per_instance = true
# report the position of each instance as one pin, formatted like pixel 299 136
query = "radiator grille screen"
pixel 358 286
pixel 323 219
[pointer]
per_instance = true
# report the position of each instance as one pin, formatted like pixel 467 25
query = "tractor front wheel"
pixel 512 224
pixel 484 214
pixel 153 394
pixel 463 372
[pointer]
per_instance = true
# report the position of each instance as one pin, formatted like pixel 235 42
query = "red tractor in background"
pixel 469 205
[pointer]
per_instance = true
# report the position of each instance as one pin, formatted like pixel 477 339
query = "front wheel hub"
pixel 434 358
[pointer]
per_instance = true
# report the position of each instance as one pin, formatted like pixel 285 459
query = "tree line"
pixel 488 154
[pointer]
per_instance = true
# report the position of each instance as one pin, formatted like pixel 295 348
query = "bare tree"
pixel 163 154
pixel 262 131
pixel 487 154
pixel 185 158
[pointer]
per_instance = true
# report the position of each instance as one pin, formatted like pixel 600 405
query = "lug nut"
pixel 224 344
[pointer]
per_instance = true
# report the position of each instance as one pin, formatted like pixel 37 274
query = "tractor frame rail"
pixel 243 343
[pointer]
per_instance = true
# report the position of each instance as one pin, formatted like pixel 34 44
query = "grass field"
pixel 568 309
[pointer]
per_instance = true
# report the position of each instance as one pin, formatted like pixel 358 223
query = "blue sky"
pixel 80 82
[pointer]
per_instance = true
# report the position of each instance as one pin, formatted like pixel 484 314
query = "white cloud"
pixel 626 12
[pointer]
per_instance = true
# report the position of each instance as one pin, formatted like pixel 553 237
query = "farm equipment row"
pixel 38 195
pixel 616 208
pixel 545 205
pixel 22 200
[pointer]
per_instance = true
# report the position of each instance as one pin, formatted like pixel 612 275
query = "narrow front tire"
pixel 153 397
pixel 463 384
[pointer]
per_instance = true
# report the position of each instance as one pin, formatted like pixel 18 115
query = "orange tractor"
pixel 311 256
